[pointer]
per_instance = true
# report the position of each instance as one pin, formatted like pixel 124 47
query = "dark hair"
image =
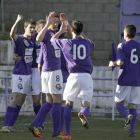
pixel 131 30
pixel 77 26
pixel 56 15
pixel 29 21
pixel 39 22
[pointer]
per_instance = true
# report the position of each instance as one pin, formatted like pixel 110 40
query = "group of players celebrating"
pixel 65 67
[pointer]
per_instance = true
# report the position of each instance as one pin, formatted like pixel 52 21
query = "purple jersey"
pixel 23 47
pixel 63 65
pixel 77 54
pixel 64 68
pixel 129 73
pixel 36 52
pixel 51 55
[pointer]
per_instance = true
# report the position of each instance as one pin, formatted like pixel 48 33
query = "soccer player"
pixel 24 45
pixel 129 78
pixel 76 52
pixel 52 80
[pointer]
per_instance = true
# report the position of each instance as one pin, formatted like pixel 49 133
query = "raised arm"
pixel 63 28
pixel 63 18
pixel 42 33
pixel 13 31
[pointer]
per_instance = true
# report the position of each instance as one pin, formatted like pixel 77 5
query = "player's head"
pixel 77 27
pixel 129 31
pixel 39 25
pixel 29 27
pixel 54 26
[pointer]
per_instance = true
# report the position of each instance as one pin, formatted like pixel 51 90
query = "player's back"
pixel 130 75
pixel 77 55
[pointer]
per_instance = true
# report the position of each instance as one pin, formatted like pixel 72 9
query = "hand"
pixel 111 64
pixel 64 26
pixel 17 58
pixel 63 17
pixel 50 19
pixel 19 18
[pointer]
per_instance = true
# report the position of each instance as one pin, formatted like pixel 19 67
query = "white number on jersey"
pixel 134 57
pixel 76 52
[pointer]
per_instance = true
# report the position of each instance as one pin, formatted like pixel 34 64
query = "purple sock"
pixel 133 122
pixel 62 118
pixel 56 110
pixel 122 110
pixel 8 115
pixel 36 109
pixel 50 112
pixel 85 111
pixel 42 114
pixel 67 118
pixel 14 116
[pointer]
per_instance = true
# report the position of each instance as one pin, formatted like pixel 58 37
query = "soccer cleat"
pixel 83 120
pixel 5 129
pixel 58 136
pixel 41 128
pixel 62 133
pixel 128 122
pixel 132 134
pixel 67 137
pixel 34 130
pixel 15 129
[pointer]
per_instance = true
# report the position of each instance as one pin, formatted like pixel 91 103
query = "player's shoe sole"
pixel 128 122
pixel 34 131
pixel 67 137
pixel 83 120
pixel 5 129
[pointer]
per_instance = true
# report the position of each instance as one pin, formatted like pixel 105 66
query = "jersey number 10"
pixel 76 52
pixel 134 57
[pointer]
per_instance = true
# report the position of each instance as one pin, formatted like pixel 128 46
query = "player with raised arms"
pixel 52 80
pixel 128 58
pixel 77 55
pixel 24 45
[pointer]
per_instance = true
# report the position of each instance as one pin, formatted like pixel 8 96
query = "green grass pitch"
pixel 100 129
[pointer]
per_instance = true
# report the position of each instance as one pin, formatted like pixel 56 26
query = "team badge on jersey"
pixel 31 88
pixel 26 42
pixel 52 34
pixel 20 86
pixel 58 87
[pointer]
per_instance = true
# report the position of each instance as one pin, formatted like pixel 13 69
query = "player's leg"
pixel 84 112
pixel 44 98
pixel 56 113
pixel 132 111
pixel 36 103
pixel 36 89
pixel 45 108
pixel 86 93
pixel 62 118
pixel 134 99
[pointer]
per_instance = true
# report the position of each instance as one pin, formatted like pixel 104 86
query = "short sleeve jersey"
pixel 23 47
pixel 129 73
pixel 51 55
pixel 77 54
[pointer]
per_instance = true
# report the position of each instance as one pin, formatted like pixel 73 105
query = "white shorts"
pixel 52 82
pixel 21 83
pixel 36 87
pixel 130 94
pixel 80 84
pixel 64 84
